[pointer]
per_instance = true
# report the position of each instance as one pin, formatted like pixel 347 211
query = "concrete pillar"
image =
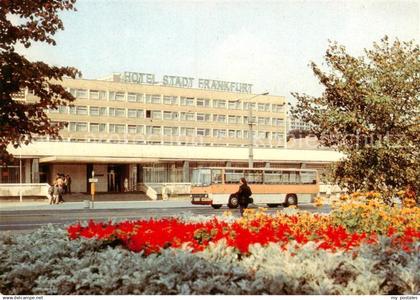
pixel 186 171
pixel 132 177
pixel 28 166
pixel 35 170
pixel 267 165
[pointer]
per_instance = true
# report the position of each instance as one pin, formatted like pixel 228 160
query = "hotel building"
pixel 128 126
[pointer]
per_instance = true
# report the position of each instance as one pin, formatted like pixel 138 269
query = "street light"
pixel 250 135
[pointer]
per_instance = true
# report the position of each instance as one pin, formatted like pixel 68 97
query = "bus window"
pixel 201 177
pixel 285 177
pixel 308 177
pixel 233 176
pixel 254 176
pixel 216 176
pixel 272 177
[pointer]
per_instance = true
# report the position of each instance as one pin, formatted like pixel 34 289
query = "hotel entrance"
pixel 117 173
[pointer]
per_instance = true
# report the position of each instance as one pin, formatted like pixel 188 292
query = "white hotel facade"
pixel 128 126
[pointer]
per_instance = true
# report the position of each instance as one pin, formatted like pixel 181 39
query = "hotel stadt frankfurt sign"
pixel 188 82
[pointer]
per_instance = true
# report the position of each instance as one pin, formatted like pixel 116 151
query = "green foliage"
pixel 45 262
pixel 25 22
pixel 369 111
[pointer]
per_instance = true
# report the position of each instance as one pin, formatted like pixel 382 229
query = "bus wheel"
pixel 272 205
pixel 233 202
pixel 291 199
pixel 216 206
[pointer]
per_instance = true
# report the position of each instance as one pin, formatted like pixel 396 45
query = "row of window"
pixel 144 142
pixel 169 131
pixel 172 100
pixel 164 115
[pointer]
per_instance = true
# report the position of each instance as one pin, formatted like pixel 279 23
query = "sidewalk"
pixel 75 201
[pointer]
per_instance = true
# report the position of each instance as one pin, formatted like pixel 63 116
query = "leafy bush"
pixel 47 262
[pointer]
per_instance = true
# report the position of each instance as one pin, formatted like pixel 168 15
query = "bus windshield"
pixel 201 177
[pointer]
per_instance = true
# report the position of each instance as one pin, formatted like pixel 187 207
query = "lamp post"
pixel 250 135
pixel 286 119
pixel 20 175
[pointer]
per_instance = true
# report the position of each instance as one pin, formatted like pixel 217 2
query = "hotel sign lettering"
pixel 188 82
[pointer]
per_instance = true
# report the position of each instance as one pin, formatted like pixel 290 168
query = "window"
pixel 117 128
pixel 117 96
pixel 97 95
pixel 97 127
pixel 276 122
pixel 272 177
pixel 219 103
pixel 170 115
pixel 155 99
pixel 263 121
pixel 81 110
pixel 170 131
pixel 203 102
pixel 219 118
pixel 134 97
pixel 247 105
pixel 254 120
pixel 97 111
pixel 234 105
pixel 187 116
pixel 233 176
pixel 254 176
pixel 78 126
pixel 81 94
pixel 277 136
pixel 187 131
pixel 203 117
pixel 235 134
pixel 260 134
pixel 234 119
pixel 186 101
pixel 172 100
pixel 220 133
pixel 116 112
pixel 277 108
pixel 153 130
pixel 135 113
pixel 156 114
pixel 308 177
pixel 263 107
pixel 133 129
pixel 62 109
pixel 203 132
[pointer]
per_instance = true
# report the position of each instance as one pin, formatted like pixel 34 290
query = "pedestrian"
pixel 56 193
pixel 68 183
pixel 50 194
pixel 243 195
pixel 126 185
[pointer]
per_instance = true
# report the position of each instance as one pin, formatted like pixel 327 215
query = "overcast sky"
pixel 266 43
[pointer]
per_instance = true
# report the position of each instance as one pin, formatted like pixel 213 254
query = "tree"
pixel 25 22
pixel 369 111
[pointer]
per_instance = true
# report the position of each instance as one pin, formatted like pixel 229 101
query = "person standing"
pixel 68 183
pixel 243 195
pixel 126 185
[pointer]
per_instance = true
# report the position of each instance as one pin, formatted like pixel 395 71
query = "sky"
pixel 266 43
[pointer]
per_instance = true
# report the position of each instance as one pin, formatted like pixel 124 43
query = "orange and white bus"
pixel 273 187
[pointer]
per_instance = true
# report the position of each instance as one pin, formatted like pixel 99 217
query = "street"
pixel 30 217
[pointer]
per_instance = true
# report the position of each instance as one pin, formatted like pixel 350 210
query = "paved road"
pixel 30 217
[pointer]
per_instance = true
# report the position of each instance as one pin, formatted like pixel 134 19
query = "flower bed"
pixel 359 218
pixel 291 252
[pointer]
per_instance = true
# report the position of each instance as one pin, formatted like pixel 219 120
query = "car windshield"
pixel 201 177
